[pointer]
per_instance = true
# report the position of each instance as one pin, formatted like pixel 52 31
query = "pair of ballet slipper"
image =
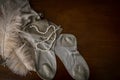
pixel 64 46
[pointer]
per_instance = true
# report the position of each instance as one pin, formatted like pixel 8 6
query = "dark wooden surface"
pixel 96 24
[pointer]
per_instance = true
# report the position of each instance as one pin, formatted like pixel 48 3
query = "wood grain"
pixel 96 25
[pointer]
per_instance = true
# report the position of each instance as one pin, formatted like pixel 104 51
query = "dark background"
pixel 96 24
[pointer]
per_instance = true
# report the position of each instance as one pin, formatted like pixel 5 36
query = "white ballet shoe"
pixel 66 50
pixel 42 37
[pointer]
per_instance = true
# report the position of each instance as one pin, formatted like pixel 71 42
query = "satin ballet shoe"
pixel 66 50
